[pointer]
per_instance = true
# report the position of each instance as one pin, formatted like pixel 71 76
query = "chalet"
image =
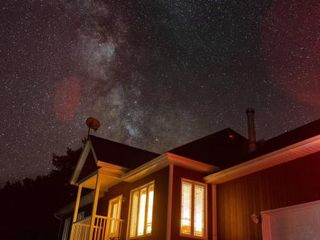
pixel 223 186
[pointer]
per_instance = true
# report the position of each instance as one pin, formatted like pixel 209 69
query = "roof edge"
pixel 280 156
pixel 163 161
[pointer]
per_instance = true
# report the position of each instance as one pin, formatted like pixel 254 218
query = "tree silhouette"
pixel 27 208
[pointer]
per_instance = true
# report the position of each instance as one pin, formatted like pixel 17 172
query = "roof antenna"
pixel 251 130
pixel 92 123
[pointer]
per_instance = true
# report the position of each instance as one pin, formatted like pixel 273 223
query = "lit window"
pixel 141 211
pixel 114 214
pixel 193 206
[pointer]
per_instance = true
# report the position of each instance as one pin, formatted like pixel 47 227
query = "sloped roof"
pixel 120 154
pixel 288 138
pixel 227 148
pixel 222 149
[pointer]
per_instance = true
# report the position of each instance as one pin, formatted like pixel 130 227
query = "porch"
pixel 97 227
pixel 104 228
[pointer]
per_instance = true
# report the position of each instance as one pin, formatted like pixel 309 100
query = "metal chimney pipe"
pixel 251 130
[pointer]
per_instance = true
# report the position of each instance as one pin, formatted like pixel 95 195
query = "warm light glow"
pixel 198 211
pixel 134 214
pixel 193 209
pixel 115 213
pixel 150 209
pixel 141 211
pixel 186 208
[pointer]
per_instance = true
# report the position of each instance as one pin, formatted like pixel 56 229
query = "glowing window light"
pixel 141 211
pixel 134 214
pixel 150 209
pixel 115 213
pixel 198 211
pixel 193 209
pixel 186 208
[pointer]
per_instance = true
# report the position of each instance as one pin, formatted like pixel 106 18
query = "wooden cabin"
pixel 212 188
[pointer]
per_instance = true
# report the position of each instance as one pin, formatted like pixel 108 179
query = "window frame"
pixel 193 183
pixel 147 185
pixel 119 200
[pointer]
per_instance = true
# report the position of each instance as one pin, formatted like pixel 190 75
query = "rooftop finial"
pixel 92 123
pixel 251 130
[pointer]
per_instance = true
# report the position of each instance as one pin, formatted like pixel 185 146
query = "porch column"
pixel 76 210
pixel 214 212
pixel 94 207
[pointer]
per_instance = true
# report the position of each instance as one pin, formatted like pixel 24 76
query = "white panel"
pixel 134 214
pixel 150 209
pixel 198 211
pixel 298 222
pixel 186 205
pixel 142 211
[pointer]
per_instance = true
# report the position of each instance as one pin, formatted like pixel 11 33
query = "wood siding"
pixel 284 185
pixel 178 174
pixel 160 203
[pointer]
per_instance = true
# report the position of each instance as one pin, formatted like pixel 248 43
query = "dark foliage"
pixel 27 208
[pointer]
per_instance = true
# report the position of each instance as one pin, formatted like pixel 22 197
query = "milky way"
pixel 157 74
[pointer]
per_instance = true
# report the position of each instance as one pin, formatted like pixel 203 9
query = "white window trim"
pixel 205 236
pixel 130 205
pixel 115 199
pixel 119 200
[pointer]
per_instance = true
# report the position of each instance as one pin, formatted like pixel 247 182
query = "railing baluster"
pixel 104 228
pixel 94 229
pixel 98 228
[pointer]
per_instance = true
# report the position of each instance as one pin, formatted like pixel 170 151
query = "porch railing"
pixel 104 228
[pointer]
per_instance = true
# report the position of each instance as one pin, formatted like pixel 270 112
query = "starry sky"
pixel 156 74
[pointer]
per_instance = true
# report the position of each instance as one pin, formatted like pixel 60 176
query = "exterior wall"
pixel 159 226
pixel 178 174
pixel 292 183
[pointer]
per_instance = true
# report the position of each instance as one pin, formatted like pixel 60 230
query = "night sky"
pixel 156 73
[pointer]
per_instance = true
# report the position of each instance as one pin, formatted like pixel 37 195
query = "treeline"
pixel 27 207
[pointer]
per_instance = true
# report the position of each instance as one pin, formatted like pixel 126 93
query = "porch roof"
pixel 120 154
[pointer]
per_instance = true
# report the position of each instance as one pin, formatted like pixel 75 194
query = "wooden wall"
pixel 160 203
pixel 284 185
pixel 179 173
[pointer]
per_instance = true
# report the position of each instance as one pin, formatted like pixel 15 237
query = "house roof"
pixel 288 138
pixel 120 154
pixel 223 149
pixel 227 148
pixel 289 146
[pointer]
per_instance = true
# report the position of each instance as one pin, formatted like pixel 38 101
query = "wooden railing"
pixel 81 229
pixel 104 228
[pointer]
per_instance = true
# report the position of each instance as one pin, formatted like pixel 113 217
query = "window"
pixel 141 211
pixel 114 214
pixel 193 208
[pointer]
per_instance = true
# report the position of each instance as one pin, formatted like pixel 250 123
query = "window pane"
pixel 134 214
pixel 186 208
pixel 150 209
pixel 114 215
pixel 142 211
pixel 198 210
